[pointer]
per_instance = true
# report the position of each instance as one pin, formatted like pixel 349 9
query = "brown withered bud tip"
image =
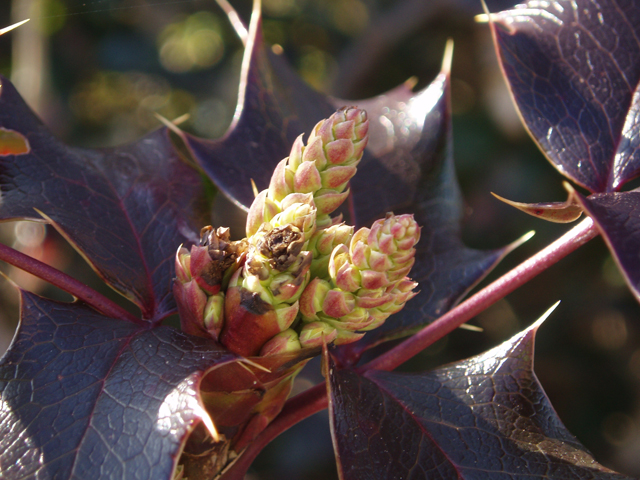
pixel 282 245
pixel 222 251
pixel 252 302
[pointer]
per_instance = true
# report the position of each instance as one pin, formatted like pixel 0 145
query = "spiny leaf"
pixel 86 396
pixel 573 68
pixel 416 175
pixel 125 209
pixel 557 212
pixel 485 417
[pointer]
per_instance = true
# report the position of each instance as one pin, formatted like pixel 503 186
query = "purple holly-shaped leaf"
pixel 573 68
pixel 485 417
pixel 414 173
pixel 617 216
pixel 86 396
pixel 126 209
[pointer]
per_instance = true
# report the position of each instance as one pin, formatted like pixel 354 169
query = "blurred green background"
pixel 96 71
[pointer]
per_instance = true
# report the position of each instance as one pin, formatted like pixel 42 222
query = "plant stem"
pixel 295 410
pixel 66 283
pixel 570 241
pixel 314 400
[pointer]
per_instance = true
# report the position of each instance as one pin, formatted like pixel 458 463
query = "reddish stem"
pixel 570 241
pixel 315 399
pixel 66 283
pixel 295 410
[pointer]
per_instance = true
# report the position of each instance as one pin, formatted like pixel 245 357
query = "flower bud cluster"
pixel 367 281
pixel 299 279
pixel 200 273
pixel 321 169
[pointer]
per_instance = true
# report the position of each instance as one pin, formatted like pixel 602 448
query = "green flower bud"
pixel 314 334
pixel 322 244
pixel 213 317
pixel 284 342
pixel 366 281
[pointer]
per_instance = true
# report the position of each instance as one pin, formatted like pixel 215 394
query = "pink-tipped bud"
pixel 191 301
pixel 340 152
pixel 313 297
pixel 322 244
pixel 284 342
pixel 359 249
pixel 347 336
pixel 372 299
pixel 315 334
pixel 307 178
pixel 337 303
pixel 281 183
pixel 343 273
pixel 394 233
pixel 286 314
pixel 295 157
pixel 337 177
pixel 293 198
pixel 262 210
pixel 314 153
pixel 327 201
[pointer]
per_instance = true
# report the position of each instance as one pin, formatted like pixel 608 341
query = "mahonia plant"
pixel 91 390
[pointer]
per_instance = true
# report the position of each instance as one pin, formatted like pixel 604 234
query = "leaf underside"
pixel 86 396
pixel 126 209
pixel 617 216
pixel 573 68
pixel 483 418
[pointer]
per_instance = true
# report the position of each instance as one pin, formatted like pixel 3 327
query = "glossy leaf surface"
pixel 573 68
pixel 407 167
pixel 485 417
pixel 86 396
pixel 127 209
pixel 617 216
pixel 414 173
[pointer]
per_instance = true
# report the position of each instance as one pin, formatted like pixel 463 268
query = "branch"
pixel 66 283
pixel 315 399
pixel 570 241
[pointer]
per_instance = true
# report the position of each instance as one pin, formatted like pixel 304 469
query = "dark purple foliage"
pixel 485 417
pixel 617 216
pixel 276 107
pixel 420 149
pixel 86 396
pixel 126 209
pixel 573 68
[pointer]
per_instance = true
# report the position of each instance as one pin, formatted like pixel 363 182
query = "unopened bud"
pixel 284 342
pixel 191 301
pixel 315 334
pixel 182 264
pixel 214 314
